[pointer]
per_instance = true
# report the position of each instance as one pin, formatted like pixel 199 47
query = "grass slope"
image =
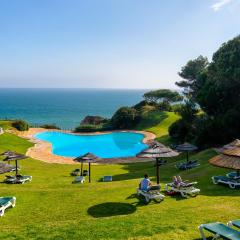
pixel 158 123
pixel 50 207
pixel 5 124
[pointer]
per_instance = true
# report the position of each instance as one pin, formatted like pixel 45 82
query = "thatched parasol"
pixel 157 153
pixel 228 159
pixel 186 147
pixel 4 168
pixel 89 158
pixel 231 145
pixel 15 157
pixel 8 153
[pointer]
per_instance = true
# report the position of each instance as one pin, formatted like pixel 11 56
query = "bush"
pixel 50 126
pixel 20 125
pixel 125 118
pixel 89 128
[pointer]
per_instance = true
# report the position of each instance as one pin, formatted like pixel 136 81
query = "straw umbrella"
pixel 157 153
pixel 186 147
pixel 8 153
pixel 231 145
pixel 89 158
pixel 228 159
pixel 15 157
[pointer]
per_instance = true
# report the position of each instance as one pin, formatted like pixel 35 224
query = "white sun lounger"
pixel 186 189
pixel 19 179
pixel 79 179
pixel 6 202
pixel 150 195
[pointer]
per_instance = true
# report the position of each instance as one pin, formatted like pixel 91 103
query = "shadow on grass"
pixel 110 209
pixel 137 170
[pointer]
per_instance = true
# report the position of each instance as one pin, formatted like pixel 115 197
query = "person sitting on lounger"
pixel 177 181
pixel 146 184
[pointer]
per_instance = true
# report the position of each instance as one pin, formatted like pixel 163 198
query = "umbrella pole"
pixel 81 168
pixel 16 171
pixel 187 157
pixel 157 169
pixel 89 172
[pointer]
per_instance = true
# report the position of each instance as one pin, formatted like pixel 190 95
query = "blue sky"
pixel 109 43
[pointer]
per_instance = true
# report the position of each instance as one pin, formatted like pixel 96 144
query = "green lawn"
pixel 158 123
pixel 51 207
pixel 5 124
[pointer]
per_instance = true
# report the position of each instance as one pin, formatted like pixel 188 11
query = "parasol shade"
pixel 185 147
pixel 15 157
pixel 89 158
pixel 228 159
pixel 158 151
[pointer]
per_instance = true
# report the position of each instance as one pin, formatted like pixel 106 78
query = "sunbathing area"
pixel 180 182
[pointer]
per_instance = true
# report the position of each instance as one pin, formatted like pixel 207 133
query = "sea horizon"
pixel 65 107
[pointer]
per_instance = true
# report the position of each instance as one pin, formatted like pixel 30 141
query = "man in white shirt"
pixel 146 184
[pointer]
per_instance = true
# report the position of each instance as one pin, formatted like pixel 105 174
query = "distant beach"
pixel 63 107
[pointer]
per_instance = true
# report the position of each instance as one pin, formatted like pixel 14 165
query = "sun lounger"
pixel 151 195
pixel 234 175
pixel 18 179
pixel 85 173
pixel 107 179
pixel 232 183
pixel 75 172
pixel 79 179
pixel 187 165
pixel 220 231
pixel 185 189
pixel 234 223
pixel 6 202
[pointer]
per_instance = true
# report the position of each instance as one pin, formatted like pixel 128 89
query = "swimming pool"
pixel 110 145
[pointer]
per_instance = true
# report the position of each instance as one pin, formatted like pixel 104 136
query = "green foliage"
pixel 162 95
pixel 191 73
pixel 88 128
pixel 20 125
pixel 50 126
pixel 215 87
pixel 125 118
pixel 184 129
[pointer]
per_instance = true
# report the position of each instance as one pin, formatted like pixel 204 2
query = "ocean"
pixel 63 107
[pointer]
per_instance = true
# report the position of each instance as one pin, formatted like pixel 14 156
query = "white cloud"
pixel 220 4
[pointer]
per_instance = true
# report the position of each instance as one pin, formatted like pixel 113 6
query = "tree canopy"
pixel 215 87
pixel 124 118
pixel 191 73
pixel 162 95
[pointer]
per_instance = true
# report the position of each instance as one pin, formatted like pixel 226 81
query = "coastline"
pixel 42 150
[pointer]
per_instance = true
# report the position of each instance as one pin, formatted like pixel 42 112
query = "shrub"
pixel 50 126
pixel 125 118
pixel 88 128
pixel 20 125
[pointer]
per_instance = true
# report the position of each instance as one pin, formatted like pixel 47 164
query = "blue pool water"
pixel 111 145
